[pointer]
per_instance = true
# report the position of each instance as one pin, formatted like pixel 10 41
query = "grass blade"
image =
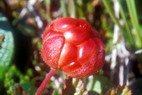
pixel 134 21
pixel 63 6
pixel 129 34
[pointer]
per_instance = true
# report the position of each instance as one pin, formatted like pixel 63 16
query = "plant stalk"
pixel 45 81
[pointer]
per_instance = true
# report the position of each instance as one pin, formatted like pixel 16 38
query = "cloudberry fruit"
pixel 72 46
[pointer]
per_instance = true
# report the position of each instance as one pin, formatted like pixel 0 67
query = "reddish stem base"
pixel 45 81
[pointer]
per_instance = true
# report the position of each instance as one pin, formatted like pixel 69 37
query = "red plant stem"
pixel 45 81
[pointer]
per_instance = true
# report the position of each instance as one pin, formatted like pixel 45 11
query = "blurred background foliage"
pixel 118 22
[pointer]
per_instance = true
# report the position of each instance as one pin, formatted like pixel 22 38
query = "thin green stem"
pixel 72 8
pixel 48 6
pixel 134 21
pixel 63 6
pixel 129 34
pixel 125 30
pixel 114 18
pixel 80 10
pixel 110 11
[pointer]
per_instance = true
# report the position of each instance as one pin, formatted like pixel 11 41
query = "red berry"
pixel 72 46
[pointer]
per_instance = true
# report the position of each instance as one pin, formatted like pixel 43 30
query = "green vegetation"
pixel 118 22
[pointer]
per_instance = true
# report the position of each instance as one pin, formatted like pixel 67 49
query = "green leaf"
pixel 99 84
pixel 29 88
pixel 55 92
pixel 6 45
pixel 126 91
pixel 22 89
